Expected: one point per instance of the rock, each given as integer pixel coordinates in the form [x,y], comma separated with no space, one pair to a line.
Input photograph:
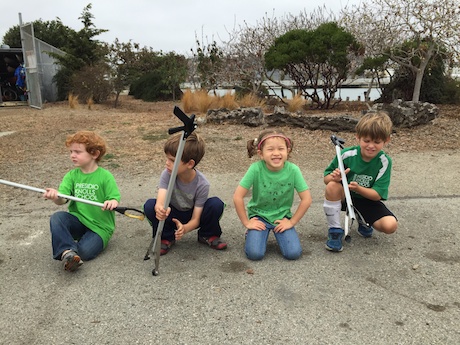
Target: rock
[406,114]
[332,123]
[252,117]
[403,114]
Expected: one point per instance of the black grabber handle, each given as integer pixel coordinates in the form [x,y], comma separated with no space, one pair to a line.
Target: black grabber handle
[189,123]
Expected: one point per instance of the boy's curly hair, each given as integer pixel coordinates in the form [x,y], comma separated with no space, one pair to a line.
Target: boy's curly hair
[258,143]
[92,141]
[376,125]
[194,147]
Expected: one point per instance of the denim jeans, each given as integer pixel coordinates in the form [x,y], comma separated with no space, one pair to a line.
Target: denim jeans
[288,241]
[209,221]
[67,232]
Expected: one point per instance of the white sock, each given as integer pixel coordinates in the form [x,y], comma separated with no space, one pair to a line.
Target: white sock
[332,211]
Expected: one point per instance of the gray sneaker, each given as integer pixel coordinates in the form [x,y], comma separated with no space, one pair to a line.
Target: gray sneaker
[71,261]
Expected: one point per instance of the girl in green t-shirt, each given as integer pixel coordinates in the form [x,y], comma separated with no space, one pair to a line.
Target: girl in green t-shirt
[273,181]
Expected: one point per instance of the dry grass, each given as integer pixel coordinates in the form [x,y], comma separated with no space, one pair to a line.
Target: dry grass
[251,100]
[295,104]
[90,103]
[73,101]
[228,101]
[201,101]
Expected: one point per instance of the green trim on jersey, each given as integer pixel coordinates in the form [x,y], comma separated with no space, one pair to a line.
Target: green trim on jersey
[375,174]
[97,186]
[272,191]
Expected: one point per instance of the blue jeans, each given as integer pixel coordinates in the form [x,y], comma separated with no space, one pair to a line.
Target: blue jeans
[256,242]
[67,232]
[209,221]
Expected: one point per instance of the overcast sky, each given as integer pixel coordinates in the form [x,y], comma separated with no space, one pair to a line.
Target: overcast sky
[167,25]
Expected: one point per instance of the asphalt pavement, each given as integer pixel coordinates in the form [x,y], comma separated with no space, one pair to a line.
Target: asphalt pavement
[389,289]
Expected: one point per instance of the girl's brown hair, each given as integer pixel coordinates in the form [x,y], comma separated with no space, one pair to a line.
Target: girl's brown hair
[93,143]
[258,143]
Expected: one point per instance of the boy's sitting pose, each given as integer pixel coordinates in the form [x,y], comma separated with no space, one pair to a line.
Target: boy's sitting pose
[84,231]
[368,171]
[189,208]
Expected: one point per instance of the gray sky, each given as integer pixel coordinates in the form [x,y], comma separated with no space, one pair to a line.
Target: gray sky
[168,25]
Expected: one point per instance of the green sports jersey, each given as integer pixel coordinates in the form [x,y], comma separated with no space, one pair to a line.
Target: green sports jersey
[97,186]
[272,191]
[374,174]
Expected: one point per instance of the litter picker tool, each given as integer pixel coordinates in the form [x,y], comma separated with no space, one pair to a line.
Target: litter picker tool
[127,211]
[187,129]
[351,211]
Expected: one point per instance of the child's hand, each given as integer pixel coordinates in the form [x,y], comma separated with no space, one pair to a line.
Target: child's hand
[180,229]
[161,213]
[283,224]
[336,176]
[354,186]
[110,204]
[255,224]
[51,194]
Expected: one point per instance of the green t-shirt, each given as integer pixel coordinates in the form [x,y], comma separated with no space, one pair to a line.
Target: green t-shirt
[97,186]
[272,191]
[374,174]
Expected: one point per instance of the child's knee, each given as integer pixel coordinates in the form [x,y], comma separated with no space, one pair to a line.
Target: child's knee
[254,251]
[333,191]
[215,204]
[293,255]
[387,225]
[254,255]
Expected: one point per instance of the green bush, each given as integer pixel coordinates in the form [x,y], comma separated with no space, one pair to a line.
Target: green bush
[151,87]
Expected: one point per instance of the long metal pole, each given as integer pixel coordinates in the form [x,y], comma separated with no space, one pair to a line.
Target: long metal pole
[172,181]
[40,190]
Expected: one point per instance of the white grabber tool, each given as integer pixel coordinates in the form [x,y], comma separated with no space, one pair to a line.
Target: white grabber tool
[351,212]
[127,211]
[187,129]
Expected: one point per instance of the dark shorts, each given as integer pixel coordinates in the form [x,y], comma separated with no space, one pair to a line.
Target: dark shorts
[371,210]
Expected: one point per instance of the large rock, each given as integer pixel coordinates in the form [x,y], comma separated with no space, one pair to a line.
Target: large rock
[281,117]
[407,113]
[252,117]
[403,114]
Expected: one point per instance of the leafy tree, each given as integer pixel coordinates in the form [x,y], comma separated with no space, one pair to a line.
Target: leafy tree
[91,82]
[315,59]
[375,68]
[382,26]
[53,32]
[82,51]
[161,81]
[433,85]
[125,65]
[244,51]
[208,59]
[174,72]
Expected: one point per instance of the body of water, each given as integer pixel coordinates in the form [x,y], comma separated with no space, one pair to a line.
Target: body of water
[348,93]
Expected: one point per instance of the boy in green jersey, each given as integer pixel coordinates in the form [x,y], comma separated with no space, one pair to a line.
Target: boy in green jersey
[84,231]
[368,170]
